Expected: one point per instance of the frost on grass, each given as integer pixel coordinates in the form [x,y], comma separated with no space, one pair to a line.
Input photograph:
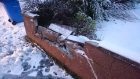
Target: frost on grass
[122,37]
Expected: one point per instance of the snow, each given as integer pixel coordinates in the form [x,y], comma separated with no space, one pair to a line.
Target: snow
[33,74]
[81,52]
[122,37]
[93,42]
[22,4]
[4,15]
[60,30]
[31,14]
[80,39]
[17,56]
[55,69]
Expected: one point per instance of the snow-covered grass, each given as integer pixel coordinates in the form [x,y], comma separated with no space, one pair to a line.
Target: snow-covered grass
[122,37]
[18,57]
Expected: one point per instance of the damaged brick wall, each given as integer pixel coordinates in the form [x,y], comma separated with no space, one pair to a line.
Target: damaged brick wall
[110,66]
[95,63]
[75,63]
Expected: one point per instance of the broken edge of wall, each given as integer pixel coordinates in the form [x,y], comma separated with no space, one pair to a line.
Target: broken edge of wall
[97,63]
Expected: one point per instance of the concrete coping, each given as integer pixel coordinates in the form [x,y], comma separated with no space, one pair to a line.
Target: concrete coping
[93,42]
[30,14]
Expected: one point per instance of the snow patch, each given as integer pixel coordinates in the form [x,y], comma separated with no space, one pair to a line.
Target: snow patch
[80,39]
[122,37]
[60,30]
[17,56]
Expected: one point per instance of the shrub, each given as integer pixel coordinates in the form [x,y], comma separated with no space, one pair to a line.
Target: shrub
[85,24]
[80,14]
[74,13]
[104,9]
[96,9]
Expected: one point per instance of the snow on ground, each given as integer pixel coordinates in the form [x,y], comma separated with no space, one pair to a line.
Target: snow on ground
[122,37]
[18,57]
[3,14]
